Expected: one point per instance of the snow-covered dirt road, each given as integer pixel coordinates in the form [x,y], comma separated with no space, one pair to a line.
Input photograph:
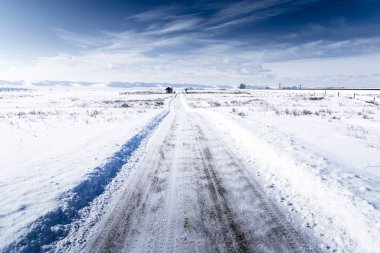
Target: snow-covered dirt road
[191,193]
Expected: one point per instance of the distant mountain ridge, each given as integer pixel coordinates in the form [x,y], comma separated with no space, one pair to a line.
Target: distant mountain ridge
[47,83]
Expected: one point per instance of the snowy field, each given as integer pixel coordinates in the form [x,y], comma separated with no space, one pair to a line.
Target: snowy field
[318,155]
[65,154]
[52,140]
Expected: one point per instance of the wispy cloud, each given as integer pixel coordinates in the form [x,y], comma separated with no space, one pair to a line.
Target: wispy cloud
[246,7]
[322,49]
[82,40]
[174,26]
[163,13]
[242,12]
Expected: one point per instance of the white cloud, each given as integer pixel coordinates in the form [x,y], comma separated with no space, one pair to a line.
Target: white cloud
[354,71]
[204,66]
[163,13]
[213,67]
[320,49]
[247,11]
[81,40]
[174,26]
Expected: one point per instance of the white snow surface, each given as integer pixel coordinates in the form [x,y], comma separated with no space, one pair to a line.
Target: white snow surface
[166,199]
[318,154]
[50,140]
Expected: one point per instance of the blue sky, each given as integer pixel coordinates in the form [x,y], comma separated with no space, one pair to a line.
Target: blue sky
[308,42]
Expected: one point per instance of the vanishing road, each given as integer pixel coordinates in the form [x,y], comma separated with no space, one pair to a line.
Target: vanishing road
[192,194]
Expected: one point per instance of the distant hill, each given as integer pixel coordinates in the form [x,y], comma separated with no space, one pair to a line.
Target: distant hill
[47,83]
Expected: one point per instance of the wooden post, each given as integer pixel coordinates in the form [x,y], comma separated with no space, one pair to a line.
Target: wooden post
[338,94]
[354,95]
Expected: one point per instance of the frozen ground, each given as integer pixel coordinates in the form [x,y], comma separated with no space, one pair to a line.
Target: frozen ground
[120,170]
[52,140]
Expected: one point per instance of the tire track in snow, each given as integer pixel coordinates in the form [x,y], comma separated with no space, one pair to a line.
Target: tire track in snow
[124,220]
[171,231]
[282,235]
[222,207]
[233,237]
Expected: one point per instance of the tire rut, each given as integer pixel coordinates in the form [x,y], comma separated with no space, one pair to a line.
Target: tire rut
[234,238]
